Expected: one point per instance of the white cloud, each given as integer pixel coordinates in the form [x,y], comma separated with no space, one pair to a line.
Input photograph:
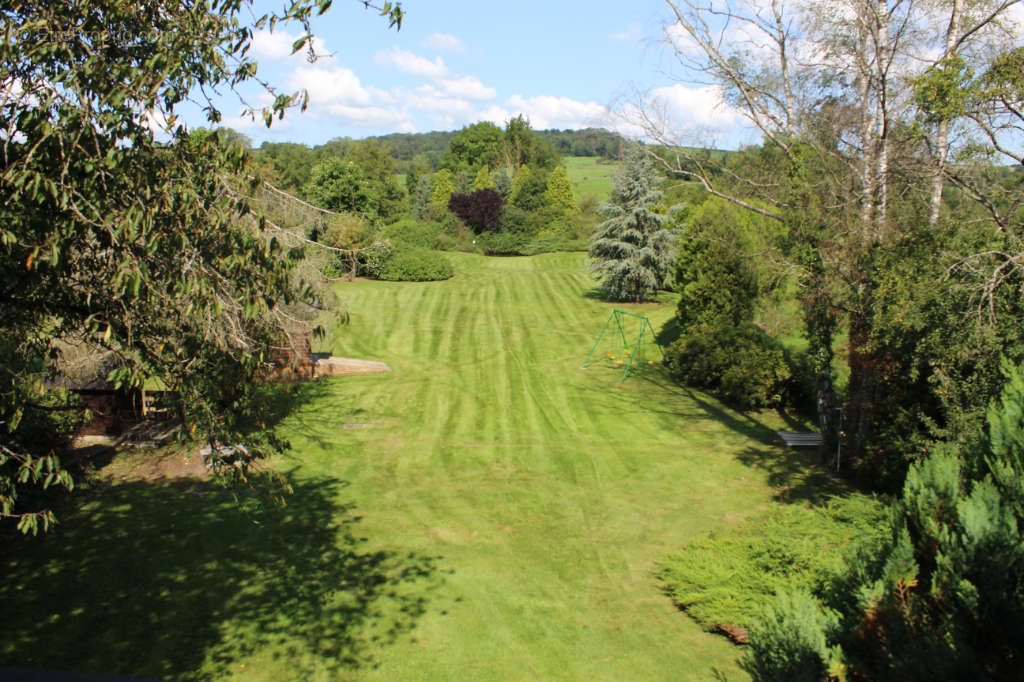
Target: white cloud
[155,120]
[495,114]
[430,98]
[444,42]
[372,117]
[681,41]
[382,96]
[410,63]
[277,46]
[546,111]
[703,106]
[678,114]
[328,86]
[467,87]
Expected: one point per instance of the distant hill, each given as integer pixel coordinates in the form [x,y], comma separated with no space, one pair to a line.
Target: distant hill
[587,142]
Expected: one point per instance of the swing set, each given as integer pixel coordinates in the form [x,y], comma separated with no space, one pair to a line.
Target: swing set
[633,348]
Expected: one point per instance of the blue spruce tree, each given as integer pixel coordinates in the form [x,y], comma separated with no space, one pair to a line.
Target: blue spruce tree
[631,252]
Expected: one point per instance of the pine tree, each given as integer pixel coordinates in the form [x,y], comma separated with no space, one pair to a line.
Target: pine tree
[560,191]
[483,179]
[943,598]
[422,198]
[503,184]
[443,188]
[631,252]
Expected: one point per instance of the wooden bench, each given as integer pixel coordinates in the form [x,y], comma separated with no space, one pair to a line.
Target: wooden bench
[800,440]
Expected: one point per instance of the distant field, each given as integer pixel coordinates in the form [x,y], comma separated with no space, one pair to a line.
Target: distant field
[591,176]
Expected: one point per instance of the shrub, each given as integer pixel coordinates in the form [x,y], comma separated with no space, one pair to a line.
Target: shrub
[738,363]
[549,243]
[503,243]
[716,284]
[725,578]
[481,210]
[414,234]
[414,265]
[789,641]
[514,219]
[449,242]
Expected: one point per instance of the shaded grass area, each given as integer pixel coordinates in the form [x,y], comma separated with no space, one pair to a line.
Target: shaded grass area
[182,580]
[489,510]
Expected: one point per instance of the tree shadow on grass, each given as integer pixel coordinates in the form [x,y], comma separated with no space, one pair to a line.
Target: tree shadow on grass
[797,475]
[184,580]
[669,332]
[290,401]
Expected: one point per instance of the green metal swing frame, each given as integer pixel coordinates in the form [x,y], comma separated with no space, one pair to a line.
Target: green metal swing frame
[645,328]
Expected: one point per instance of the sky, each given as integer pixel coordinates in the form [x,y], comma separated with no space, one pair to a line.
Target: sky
[564,65]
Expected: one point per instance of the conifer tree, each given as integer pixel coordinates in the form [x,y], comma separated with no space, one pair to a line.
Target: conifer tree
[560,191]
[483,179]
[503,184]
[943,598]
[443,188]
[422,198]
[631,252]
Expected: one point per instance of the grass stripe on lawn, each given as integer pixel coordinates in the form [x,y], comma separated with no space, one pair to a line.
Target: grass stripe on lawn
[488,511]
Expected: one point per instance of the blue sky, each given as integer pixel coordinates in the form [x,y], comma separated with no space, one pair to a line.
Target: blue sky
[561,64]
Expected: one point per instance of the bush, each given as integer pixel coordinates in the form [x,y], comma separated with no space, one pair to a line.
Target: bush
[725,578]
[789,641]
[448,242]
[414,234]
[415,265]
[549,243]
[503,243]
[481,210]
[514,219]
[738,363]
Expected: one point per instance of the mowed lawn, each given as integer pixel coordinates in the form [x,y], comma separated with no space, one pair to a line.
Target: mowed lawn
[488,511]
[591,176]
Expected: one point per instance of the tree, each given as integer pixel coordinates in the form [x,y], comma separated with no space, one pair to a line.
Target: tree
[483,179]
[559,191]
[442,188]
[289,164]
[631,252]
[852,156]
[720,348]
[143,252]
[338,185]
[377,170]
[481,210]
[503,184]
[521,147]
[362,181]
[422,198]
[942,597]
[475,145]
[418,167]
[529,190]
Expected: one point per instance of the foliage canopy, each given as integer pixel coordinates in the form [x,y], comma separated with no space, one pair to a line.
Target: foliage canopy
[144,252]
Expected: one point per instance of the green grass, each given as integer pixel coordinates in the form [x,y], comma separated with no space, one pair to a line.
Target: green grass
[488,511]
[591,176]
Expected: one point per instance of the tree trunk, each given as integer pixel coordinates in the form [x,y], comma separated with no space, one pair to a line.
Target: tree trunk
[942,128]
